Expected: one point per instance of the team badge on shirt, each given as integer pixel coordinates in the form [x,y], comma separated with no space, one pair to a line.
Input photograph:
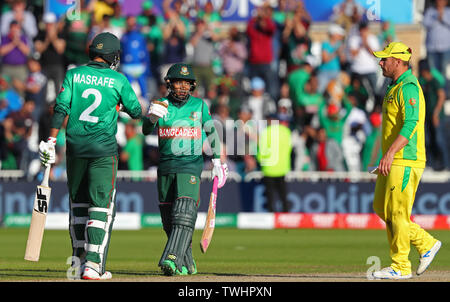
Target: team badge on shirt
[194,116]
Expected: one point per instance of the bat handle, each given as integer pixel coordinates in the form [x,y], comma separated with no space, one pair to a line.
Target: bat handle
[215,184]
[46,176]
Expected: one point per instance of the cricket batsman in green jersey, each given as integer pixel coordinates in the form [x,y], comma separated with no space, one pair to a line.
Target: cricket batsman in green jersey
[402,164]
[182,122]
[90,99]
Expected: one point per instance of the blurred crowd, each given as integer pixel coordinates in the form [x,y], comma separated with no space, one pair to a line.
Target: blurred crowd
[327,94]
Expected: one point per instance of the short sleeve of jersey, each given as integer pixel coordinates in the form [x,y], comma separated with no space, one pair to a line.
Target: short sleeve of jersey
[409,101]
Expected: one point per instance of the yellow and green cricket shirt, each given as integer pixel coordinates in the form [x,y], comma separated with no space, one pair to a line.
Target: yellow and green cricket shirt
[404,114]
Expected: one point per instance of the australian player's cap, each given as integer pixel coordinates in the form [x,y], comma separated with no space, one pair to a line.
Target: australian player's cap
[395,50]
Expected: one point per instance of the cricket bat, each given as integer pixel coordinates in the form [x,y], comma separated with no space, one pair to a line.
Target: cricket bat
[210,223]
[38,217]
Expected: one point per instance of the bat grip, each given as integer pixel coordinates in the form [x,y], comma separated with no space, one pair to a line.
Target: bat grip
[46,176]
[215,184]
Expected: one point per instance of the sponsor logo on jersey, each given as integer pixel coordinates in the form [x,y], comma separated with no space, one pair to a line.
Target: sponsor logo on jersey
[180,132]
[412,102]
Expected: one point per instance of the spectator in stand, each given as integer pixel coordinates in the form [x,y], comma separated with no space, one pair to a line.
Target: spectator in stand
[434,93]
[35,88]
[21,123]
[332,55]
[371,153]
[326,153]
[274,157]
[76,32]
[260,103]
[311,99]
[233,52]
[356,90]
[10,100]
[174,35]
[356,129]
[14,50]
[296,81]
[132,153]
[387,34]
[211,16]
[176,11]
[297,43]
[155,42]
[334,112]
[260,32]
[135,59]
[363,64]
[25,19]
[50,44]
[437,24]
[346,12]
[203,42]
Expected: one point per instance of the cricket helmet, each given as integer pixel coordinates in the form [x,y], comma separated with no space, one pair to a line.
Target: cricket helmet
[180,71]
[106,46]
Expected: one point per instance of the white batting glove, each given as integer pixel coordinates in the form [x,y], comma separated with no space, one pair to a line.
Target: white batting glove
[157,110]
[221,171]
[47,153]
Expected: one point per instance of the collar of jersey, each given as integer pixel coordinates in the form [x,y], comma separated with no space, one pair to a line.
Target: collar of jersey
[403,76]
[177,103]
[98,64]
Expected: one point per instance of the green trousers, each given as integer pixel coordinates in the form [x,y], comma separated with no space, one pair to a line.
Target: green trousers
[179,199]
[92,191]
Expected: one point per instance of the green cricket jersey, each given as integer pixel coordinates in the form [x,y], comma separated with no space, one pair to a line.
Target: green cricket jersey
[181,134]
[91,96]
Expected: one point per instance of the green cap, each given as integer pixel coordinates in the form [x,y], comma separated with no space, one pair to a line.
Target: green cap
[180,71]
[105,43]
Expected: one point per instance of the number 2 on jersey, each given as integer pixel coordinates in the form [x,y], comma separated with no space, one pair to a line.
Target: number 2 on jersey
[86,114]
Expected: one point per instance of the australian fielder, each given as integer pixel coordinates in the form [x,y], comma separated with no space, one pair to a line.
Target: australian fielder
[402,164]
[182,122]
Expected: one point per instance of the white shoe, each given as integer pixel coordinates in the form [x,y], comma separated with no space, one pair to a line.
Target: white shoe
[427,258]
[91,274]
[389,273]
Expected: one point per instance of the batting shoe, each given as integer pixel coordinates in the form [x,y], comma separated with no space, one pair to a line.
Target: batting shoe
[91,274]
[169,268]
[427,258]
[389,273]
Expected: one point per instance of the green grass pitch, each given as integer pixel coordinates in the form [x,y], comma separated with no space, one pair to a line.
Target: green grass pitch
[135,254]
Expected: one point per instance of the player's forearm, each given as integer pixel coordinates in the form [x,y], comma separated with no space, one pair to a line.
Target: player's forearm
[214,140]
[147,126]
[54,132]
[399,143]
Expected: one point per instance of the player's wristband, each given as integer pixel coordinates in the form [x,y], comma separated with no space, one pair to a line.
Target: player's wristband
[51,140]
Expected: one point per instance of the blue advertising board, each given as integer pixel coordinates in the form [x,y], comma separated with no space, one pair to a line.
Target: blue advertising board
[305,197]
[399,11]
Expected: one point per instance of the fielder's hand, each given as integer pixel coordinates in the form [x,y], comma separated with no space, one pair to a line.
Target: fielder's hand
[157,110]
[47,153]
[221,171]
